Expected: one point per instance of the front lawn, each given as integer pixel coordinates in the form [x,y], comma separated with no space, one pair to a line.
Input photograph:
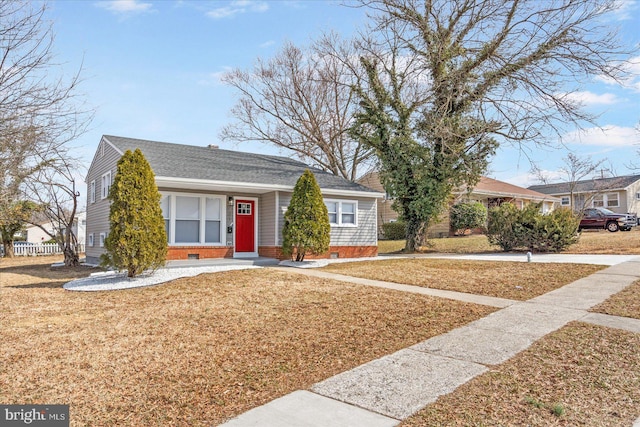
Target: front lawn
[453,245]
[591,242]
[625,303]
[580,375]
[513,280]
[199,350]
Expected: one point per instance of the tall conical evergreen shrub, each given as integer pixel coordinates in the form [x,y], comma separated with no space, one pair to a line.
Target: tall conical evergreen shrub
[306,222]
[137,240]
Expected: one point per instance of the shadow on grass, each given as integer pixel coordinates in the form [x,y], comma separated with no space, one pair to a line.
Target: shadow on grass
[46,285]
[45,271]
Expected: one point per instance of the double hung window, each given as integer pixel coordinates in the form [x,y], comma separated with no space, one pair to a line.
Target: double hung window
[193,219]
[342,212]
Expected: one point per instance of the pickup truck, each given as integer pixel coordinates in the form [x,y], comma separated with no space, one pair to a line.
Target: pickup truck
[601,218]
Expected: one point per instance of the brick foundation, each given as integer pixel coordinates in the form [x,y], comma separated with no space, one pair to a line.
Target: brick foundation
[183,252]
[340,251]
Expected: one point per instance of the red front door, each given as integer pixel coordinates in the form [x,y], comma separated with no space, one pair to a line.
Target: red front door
[245,226]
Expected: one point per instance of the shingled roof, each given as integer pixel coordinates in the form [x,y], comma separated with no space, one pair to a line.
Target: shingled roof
[493,187]
[486,187]
[587,185]
[213,164]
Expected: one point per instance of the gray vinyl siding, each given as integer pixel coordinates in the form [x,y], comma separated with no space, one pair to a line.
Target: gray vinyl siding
[633,204]
[364,234]
[98,212]
[267,219]
[623,200]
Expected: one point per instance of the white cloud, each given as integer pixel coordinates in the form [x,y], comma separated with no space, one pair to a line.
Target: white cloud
[624,9]
[124,6]
[215,78]
[609,136]
[238,7]
[632,80]
[590,98]
[267,43]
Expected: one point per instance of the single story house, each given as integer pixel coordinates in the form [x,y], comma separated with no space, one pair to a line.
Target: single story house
[35,234]
[222,204]
[621,194]
[488,191]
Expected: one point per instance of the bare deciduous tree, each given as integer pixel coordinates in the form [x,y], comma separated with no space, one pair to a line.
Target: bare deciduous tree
[301,100]
[498,71]
[574,170]
[39,113]
[53,189]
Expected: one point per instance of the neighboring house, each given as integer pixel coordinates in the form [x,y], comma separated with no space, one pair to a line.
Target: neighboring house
[490,192]
[35,234]
[222,204]
[620,194]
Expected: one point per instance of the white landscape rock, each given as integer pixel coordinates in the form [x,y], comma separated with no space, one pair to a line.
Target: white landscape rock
[111,280]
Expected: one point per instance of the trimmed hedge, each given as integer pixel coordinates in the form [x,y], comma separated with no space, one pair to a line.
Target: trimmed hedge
[467,215]
[394,230]
[529,229]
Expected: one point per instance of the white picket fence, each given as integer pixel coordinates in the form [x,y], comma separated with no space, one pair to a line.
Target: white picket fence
[33,249]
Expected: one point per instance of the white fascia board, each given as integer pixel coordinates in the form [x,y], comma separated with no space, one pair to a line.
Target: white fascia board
[119,151]
[595,191]
[516,195]
[95,155]
[229,186]
[351,193]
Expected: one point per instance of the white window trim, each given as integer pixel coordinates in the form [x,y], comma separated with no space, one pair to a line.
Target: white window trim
[339,203]
[104,189]
[606,198]
[637,196]
[598,198]
[92,191]
[103,236]
[172,218]
[90,239]
[562,201]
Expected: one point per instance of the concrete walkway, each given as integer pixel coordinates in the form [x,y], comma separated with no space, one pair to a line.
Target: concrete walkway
[385,391]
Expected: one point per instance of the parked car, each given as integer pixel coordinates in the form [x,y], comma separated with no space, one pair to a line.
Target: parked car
[601,218]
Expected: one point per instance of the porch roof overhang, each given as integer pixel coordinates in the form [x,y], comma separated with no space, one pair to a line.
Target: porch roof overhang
[249,187]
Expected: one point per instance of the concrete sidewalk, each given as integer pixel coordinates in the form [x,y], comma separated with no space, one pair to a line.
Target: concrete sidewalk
[385,391]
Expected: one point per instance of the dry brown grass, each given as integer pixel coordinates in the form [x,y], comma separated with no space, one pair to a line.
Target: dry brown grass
[513,280]
[625,303]
[453,245]
[37,272]
[196,351]
[591,242]
[589,373]
[604,242]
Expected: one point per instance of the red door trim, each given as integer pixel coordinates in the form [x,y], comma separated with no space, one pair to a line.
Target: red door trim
[246,227]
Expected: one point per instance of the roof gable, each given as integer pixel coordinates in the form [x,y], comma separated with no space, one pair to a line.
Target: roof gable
[213,164]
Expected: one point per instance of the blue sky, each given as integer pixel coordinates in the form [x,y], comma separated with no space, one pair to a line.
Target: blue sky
[151,69]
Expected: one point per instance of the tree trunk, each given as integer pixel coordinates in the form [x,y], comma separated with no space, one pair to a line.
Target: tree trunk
[415,229]
[71,258]
[8,249]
